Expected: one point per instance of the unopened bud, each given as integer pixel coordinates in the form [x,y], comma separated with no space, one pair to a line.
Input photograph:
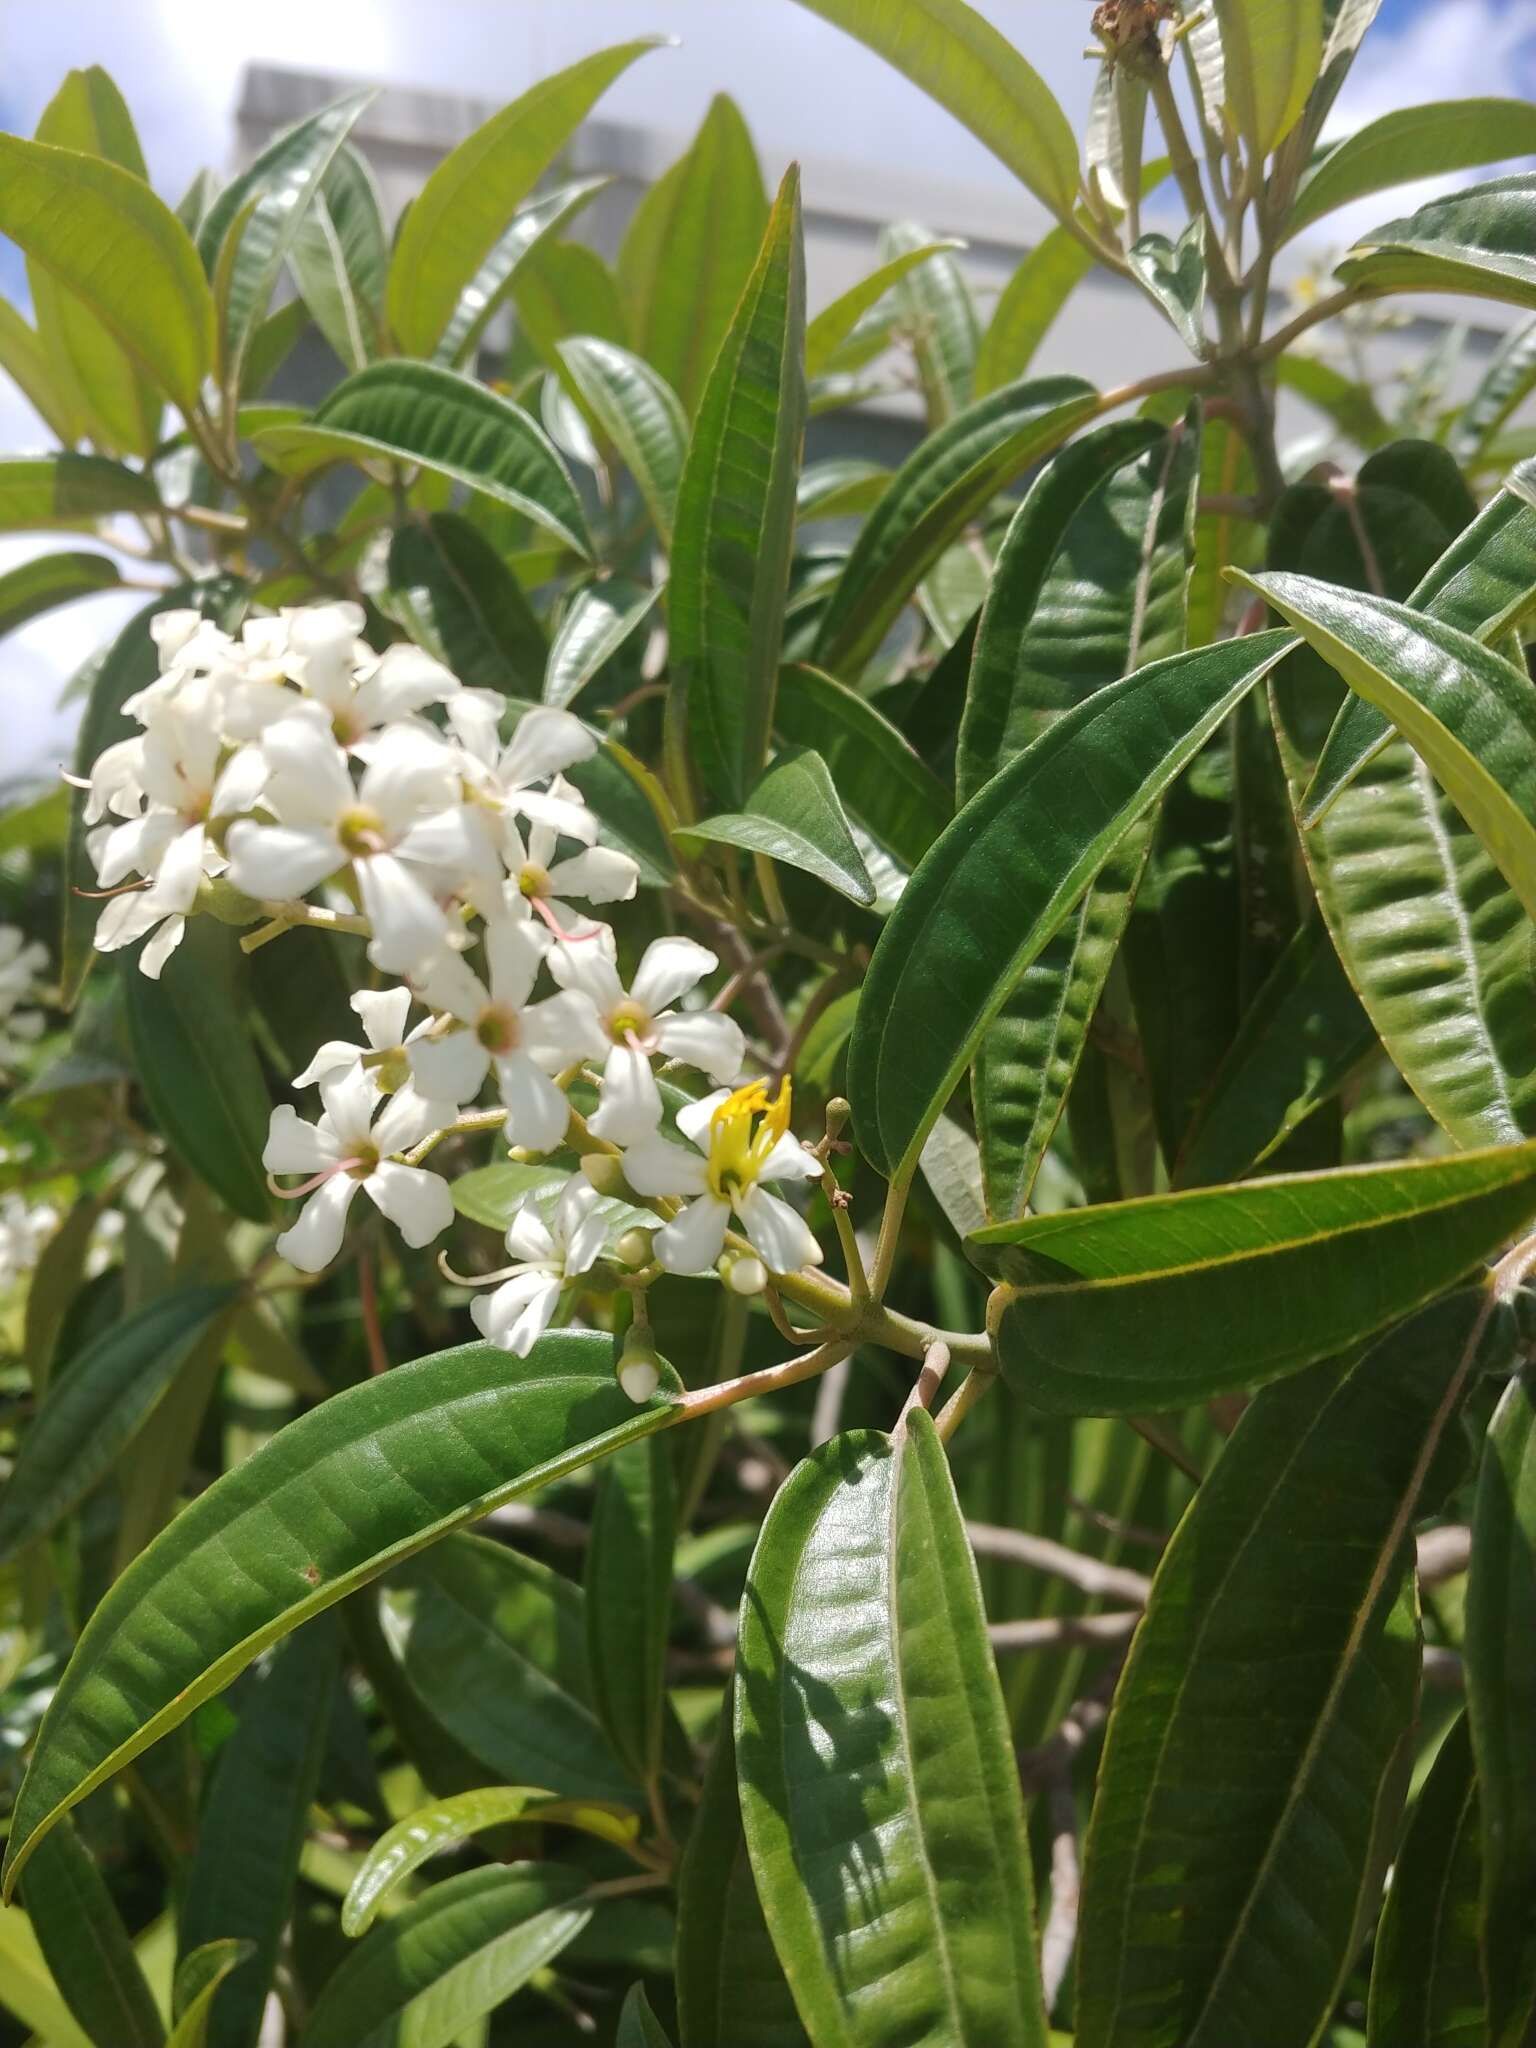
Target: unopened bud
[839,1109]
[639,1368]
[743,1273]
[605,1172]
[633,1248]
[228,904]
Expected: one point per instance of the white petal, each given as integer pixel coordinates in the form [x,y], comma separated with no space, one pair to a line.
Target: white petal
[294,1146]
[336,1052]
[586,1242]
[557,815]
[162,946]
[409,1116]
[668,969]
[694,1239]
[411,776]
[125,919]
[137,847]
[778,1234]
[350,1101]
[529,1239]
[383,1012]
[516,1316]
[694,1119]
[240,782]
[537,1113]
[705,1039]
[589,967]
[656,1167]
[546,740]
[448,982]
[416,1202]
[408,926]
[789,1160]
[475,716]
[513,956]
[404,679]
[451,1069]
[276,862]
[456,844]
[315,1239]
[181,870]
[562,1030]
[308,781]
[629,1106]
[598,875]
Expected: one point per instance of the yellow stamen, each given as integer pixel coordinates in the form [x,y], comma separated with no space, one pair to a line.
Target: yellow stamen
[737,1151]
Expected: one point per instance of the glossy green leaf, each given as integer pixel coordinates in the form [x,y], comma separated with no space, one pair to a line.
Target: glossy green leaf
[455,596]
[1412,143]
[487,290]
[96,1408]
[48,581]
[955,56]
[690,249]
[887,789]
[628,1583]
[1272,52]
[81,1934]
[40,492]
[563,290]
[636,815]
[1152,1304]
[638,2025]
[393,415]
[731,1991]
[1467,711]
[937,490]
[1500,1654]
[104,235]
[1480,242]
[241,1881]
[1275,1847]
[1505,384]
[794,815]
[988,897]
[640,413]
[27,1989]
[411,1842]
[1304,1034]
[937,314]
[1026,308]
[98,384]
[197,1065]
[600,619]
[835,323]
[1426,1982]
[492,1194]
[840,487]
[340,258]
[450,1958]
[1175,274]
[422,1450]
[198,1978]
[465,205]
[26,362]
[879,1795]
[254,224]
[735,522]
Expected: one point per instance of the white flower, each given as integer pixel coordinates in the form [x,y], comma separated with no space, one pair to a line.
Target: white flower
[21,967]
[545,742]
[638,1024]
[348,1149]
[498,1027]
[743,1140]
[539,882]
[323,823]
[545,1256]
[361,690]
[24,1231]
[385,1060]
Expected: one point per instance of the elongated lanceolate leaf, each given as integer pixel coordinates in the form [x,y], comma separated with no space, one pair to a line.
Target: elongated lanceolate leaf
[942,485]
[41,492]
[1481,242]
[989,896]
[1501,1701]
[638,2024]
[48,581]
[82,1936]
[735,522]
[628,1586]
[640,413]
[1272,52]
[938,314]
[198,1978]
[413,1454]
[340,258]
[793,815]
[1504,385]
[600,620]
[396,415]
[885,785]
[835,323]
[1426,1978]
[1412,143]
[1027,306]
[1258,1753]
[456,597]
[487,290]
[879,1795]
[26,362]
[1156,1303]
[456,218]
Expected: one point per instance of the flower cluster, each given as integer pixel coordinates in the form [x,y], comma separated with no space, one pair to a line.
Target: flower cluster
[296,767]
[22,963]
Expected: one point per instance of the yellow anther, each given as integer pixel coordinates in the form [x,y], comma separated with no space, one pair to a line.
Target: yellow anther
[737,1152]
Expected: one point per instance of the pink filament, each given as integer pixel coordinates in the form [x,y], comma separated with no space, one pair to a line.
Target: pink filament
[307,1187]
[570,938]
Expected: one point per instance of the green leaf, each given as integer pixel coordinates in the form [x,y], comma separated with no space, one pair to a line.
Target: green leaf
[26,362]
[104,235]
[690,248]
[882,781]
[27,1988]
[1352,407]
[835,323]
[938,316]
[40,492]
[240,1884]
[944,484]
[411,1842]
[82,1936]
[197,1064]
[731,1991]
[1272,52]
[640,413]
[735,522]
[492,1194]
[98,384]
[636,816]
[879,1794]
[794,815]
[455,596]
[1174,273]
[461,212]
[600,620]
[1304,1034]
[1267,1707]
[840,487]
[95,1409]
[1504,385]
[1426,1982]
[397,414]
[1480,242]
[340,258]
[1500,1654]
[955,56]
[1027,306]
[419,1451]
[1152,1304]
[271,344]
[1412,143]
[628,1583]
[638,2025]
[1466,710]
[427,1975]
[497,275]
[198,1977]
[48,581]
[988,897]
[563,289]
